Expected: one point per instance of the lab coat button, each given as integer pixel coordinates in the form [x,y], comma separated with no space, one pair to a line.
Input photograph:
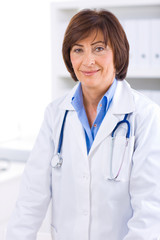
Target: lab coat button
[85,177]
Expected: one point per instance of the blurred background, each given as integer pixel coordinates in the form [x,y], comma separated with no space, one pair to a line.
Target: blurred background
[32,74]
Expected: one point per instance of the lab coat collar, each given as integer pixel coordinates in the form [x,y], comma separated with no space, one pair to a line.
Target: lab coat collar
[66,103]
[122,103]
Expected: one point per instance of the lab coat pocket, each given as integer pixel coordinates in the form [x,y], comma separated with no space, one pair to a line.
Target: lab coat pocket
[120,159]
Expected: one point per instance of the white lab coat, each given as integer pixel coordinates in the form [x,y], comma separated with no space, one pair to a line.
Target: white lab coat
[85,204]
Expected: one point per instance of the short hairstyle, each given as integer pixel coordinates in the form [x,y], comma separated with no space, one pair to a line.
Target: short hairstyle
[84,23]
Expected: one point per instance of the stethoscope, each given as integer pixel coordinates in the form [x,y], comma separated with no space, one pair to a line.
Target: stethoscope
[112,176]
[58,160]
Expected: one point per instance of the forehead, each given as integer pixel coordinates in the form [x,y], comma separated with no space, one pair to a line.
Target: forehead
[94,36]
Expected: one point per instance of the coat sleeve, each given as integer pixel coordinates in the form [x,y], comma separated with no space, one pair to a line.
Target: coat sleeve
[145,177]
[35,189]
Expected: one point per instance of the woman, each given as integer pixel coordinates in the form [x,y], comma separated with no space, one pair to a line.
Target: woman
[103,178]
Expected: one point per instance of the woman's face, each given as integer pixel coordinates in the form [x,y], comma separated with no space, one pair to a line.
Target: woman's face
[92,62]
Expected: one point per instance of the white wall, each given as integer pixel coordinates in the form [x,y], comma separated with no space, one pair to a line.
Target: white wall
[25,65]
[25,79]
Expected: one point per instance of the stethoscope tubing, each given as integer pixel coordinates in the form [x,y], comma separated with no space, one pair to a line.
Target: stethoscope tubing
[121,122]
[61,133]
[59,162]
[112,177]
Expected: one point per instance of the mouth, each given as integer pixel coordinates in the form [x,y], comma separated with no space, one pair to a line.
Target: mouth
[90,73]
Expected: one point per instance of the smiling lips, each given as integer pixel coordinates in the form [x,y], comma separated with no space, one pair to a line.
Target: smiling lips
[90,73]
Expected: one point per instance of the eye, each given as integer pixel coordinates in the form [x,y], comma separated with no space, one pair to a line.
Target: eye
[99,49]
[77,50]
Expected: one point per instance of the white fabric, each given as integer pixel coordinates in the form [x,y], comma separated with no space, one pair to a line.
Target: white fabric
[85,204]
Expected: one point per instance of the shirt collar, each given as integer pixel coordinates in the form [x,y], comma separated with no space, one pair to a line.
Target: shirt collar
[77,99]
[108,96]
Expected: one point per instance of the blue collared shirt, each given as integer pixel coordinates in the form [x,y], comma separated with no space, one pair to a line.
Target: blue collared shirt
[102,108]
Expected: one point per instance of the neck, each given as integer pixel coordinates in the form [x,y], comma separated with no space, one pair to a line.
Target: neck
[90,102]
[91,97]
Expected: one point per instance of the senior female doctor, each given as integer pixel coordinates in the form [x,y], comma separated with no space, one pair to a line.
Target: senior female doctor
[97,156]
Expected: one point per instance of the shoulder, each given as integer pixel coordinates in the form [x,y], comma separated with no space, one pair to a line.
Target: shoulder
[147,113]
[143,110]
[64,102]
[55,110]
[54,105]
[141,102]
[144,104]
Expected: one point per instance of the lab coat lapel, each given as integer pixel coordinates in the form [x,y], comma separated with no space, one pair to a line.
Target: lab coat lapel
[78,132]
[73,122]
[122,103]
[107,126]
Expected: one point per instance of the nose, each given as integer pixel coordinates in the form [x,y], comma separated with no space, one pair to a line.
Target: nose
[88,59]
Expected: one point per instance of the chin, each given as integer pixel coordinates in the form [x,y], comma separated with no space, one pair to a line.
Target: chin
[90,84]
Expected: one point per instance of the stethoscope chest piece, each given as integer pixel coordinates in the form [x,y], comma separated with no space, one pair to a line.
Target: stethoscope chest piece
[57,161]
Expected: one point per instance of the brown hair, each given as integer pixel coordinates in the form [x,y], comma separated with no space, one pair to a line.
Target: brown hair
[85,22]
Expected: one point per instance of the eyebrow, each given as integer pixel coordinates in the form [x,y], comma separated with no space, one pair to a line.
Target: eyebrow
[98,42]
[76,44]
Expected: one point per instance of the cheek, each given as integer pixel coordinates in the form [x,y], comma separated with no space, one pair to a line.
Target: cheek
[75,63]
[72,60]
[108,63]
